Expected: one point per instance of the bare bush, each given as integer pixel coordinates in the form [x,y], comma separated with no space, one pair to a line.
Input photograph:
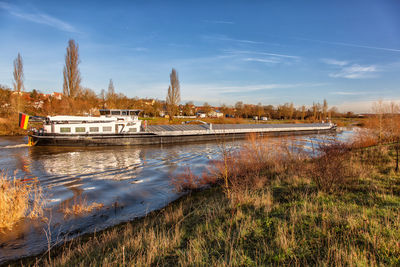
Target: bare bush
[187,180]
[255,165]
[331,169]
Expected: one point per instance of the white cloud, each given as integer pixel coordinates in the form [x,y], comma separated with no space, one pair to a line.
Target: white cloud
[262,57]
[347,93]
[356,71]
[262,60]
[37,17]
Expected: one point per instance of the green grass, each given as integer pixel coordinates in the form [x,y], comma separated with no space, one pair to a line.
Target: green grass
[284,222]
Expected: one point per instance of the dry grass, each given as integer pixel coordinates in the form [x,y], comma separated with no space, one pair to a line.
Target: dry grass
[18,199]
[79,206]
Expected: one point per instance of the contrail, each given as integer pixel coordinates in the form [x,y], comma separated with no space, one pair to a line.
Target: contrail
[350,45]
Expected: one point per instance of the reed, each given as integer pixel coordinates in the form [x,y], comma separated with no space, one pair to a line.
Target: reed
[18,200]
[79,206]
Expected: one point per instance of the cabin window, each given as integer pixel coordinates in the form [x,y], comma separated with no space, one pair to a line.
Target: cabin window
[107,129]
[133,113]
[104,112]
[80,129]
[115,112]
[124,113]
[94,129]
[132,130]
[65,129]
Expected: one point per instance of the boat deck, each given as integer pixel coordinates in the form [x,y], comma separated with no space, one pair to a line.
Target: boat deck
[200,129]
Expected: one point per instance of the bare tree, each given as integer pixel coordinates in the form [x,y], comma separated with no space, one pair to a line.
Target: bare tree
[303,112]
[111,89]
[325,110]
[260,110]
[72,76]
[111,96]
[174,94]
[207,108]
[18,79]
[291,111]
[103,98]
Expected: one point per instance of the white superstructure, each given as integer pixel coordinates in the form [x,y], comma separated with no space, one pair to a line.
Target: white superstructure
[111,121]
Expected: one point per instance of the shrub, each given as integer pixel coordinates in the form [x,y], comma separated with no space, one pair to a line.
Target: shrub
[331,169]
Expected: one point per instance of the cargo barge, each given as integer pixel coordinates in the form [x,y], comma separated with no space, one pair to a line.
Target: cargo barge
[123,127]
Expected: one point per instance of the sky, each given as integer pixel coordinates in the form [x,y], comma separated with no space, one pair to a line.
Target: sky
[268,52]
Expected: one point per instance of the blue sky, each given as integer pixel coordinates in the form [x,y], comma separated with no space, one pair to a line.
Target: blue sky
[224,51]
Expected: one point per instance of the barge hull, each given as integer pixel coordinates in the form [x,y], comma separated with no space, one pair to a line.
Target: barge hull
[154,139]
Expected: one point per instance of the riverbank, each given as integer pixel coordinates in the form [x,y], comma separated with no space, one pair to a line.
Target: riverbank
[280,214]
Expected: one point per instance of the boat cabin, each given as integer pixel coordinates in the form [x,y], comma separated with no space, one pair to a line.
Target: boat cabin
[111,121]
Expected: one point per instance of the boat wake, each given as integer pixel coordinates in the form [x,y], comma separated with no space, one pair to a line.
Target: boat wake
[15,146]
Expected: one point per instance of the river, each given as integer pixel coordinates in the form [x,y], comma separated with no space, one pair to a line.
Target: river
[128,181]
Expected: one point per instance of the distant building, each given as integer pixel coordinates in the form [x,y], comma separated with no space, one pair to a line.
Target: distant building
[57,95]
[215,114]
[201,114]
[148,102]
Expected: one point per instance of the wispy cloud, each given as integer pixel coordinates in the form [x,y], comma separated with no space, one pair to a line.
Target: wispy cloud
[38,17]
[219,21]
[246,89]
[334,62]
[262,60]
[356,71]
[349,44]
[262,57]
[237,52]
[351,71]
[229,39]
[347,93]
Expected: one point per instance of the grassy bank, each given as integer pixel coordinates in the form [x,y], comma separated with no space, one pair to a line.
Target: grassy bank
[259,213]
